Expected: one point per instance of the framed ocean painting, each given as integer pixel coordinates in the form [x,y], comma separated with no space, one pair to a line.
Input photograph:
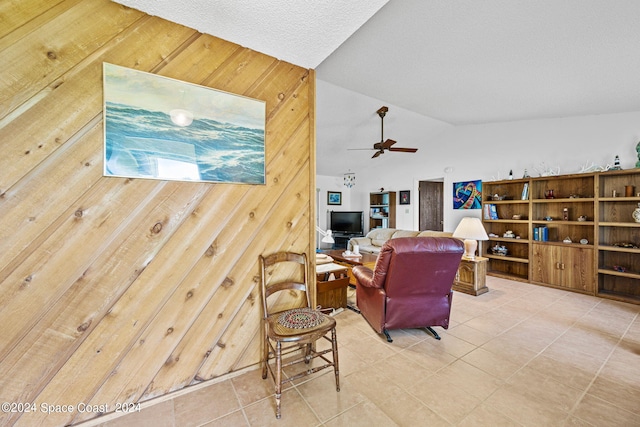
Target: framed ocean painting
[159,128]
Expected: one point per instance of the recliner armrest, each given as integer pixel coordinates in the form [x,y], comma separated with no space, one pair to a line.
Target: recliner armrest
[364,276]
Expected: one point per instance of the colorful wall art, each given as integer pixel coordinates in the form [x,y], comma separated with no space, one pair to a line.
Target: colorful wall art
[467,195]
[161,128]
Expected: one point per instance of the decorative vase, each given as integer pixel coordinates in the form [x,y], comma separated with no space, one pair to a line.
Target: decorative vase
[636,214]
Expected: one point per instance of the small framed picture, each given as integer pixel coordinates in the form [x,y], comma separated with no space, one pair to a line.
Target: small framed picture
[334,197]
[405,197]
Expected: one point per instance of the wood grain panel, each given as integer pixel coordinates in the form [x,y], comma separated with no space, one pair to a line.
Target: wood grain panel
[117,289]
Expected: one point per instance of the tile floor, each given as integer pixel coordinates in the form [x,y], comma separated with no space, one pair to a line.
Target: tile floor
[519,355]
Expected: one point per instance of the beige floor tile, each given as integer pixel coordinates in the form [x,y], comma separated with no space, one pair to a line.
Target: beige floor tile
[206,404]
[321,395]
[250,387]
[429,356]
[508,348]
[515,404]
[623,366]
[494,364]
[484,415]
[470,335]
[295,412]
[452,345]
[552,393]
[422,416]
[398,370]
[160,415]
[512,315]
[371,349]
[617,394]
[600,413]
[492,323]
[470,379]
[445,398]
[566,373]
[234,419]
[349,362]
[391,398]
[365,414]
[593,341]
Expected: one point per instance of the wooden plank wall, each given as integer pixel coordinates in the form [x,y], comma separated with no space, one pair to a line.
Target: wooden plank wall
[120,290]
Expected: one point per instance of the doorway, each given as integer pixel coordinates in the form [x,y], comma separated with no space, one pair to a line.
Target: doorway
[430,204]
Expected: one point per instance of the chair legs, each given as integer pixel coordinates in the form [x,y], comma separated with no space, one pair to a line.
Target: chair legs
[428,328]
[265,356]
[334,348]
[435,334]
[278,377]
[308,355]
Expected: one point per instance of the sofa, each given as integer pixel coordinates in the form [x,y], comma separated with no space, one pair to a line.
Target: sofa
[373,241]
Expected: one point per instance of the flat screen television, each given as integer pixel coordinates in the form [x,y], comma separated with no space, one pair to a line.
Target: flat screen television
[345,222]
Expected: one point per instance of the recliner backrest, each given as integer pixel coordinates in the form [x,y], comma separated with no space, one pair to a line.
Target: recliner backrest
[415,266]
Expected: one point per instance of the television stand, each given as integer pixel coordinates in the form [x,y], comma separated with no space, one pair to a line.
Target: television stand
[341,239]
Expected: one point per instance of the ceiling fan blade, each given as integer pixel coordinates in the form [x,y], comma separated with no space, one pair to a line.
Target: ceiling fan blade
[388,143]
[404,150]
[352,149]
[377,154]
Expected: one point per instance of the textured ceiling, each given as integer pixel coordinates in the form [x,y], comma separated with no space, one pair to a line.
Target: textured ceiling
[496,60]
[301,32]
[459,61]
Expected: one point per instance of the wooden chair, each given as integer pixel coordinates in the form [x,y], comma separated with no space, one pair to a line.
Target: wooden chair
[293,331]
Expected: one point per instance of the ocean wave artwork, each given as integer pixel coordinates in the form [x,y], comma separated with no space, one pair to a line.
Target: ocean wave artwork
[161,128]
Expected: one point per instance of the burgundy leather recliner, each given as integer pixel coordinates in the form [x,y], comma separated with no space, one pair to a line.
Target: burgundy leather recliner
[410,286]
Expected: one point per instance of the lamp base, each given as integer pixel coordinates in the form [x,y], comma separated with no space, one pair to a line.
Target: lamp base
[470,247]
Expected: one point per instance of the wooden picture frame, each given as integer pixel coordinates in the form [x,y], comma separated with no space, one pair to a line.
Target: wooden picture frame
[405,197]
[156,127]
[334,198]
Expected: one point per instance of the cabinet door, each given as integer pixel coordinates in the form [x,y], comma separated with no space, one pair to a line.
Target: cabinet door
[568,267]
[546,265]
[578,270]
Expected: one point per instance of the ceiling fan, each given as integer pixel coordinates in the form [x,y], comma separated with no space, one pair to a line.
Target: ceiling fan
[383,145]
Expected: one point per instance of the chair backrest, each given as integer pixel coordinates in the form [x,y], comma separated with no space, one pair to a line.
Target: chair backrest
[283,271]
[418,266]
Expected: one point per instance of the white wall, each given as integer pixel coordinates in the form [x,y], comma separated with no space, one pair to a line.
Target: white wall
[486,152]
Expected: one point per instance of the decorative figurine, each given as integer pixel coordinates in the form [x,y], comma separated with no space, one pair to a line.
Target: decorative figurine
[616,164]
[636,214]
[526,174]
[638,151]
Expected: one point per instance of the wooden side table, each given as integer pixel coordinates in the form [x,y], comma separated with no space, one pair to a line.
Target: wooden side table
[331,285]
[471,277]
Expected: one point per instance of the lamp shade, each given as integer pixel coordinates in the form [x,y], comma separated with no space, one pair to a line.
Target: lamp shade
[471,230]
[327,235]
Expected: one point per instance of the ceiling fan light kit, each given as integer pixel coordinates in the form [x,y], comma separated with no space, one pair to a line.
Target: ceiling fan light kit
[386,145]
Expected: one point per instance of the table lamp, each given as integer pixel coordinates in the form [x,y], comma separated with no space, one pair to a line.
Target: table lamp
[471,230]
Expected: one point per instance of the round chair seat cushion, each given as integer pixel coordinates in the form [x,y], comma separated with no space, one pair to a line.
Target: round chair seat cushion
[300,318]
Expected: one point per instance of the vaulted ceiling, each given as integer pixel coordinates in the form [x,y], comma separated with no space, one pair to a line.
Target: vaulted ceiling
[459,61]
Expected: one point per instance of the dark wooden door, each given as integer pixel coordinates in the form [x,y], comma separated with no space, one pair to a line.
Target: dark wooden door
[430,204]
